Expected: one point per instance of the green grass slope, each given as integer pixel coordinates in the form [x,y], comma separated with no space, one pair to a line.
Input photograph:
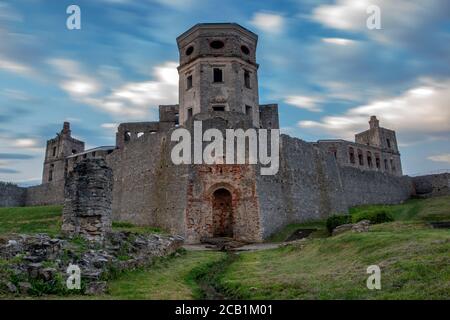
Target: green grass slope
[414,261]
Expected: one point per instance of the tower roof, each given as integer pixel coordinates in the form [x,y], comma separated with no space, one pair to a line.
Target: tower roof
[222,25]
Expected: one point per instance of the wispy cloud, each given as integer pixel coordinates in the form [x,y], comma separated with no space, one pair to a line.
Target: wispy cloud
[131,99]
[440,158]
[15,156]
[16,67]
[338,41]
[422,110]
[305,102]
[268,22]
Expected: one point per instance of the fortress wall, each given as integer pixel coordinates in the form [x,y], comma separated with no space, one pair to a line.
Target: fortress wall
[11,195]
[370,187]
[432,185]
[147,188]
[307,187]
[45,194]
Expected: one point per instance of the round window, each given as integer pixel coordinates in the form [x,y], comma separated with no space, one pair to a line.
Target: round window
[217,44]
[189,50]
[245,49]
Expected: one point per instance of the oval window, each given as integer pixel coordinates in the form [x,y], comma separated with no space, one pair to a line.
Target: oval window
[245,50]
[189,50]
[217,44]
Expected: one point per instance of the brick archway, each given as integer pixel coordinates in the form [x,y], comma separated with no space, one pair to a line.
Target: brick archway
[222,209]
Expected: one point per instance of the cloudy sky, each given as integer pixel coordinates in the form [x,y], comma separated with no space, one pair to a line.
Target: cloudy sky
[327,71]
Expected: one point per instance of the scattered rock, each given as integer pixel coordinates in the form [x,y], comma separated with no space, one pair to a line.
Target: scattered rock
[96,288]
[342,228]
[11,287]
[361,226]
[300,234]
[24,287]
[121,251]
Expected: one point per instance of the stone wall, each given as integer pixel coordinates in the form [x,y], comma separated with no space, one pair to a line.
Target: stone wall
[11,195]
[148,189]
[307,187]
[88,200]
[369,187]
[311,185]
[432,185]
[45,194]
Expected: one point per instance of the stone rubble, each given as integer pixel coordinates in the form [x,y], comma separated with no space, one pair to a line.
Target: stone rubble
[39,257]
[361,226]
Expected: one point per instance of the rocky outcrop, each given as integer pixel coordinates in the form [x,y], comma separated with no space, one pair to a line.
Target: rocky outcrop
[37,264]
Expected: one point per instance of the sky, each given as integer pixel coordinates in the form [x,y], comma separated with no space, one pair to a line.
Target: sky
[318,60]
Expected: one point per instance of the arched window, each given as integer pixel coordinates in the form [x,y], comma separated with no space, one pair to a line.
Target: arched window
[377,160]
[369,159]
[360,157]
[351,155]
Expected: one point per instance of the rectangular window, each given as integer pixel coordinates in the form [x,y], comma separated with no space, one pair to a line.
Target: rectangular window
[248,110]
[388,143]
[218,108]
[189,82]
[218,75]
[54,151]
[386,165]
[189,113]
[50,175]
[247,79]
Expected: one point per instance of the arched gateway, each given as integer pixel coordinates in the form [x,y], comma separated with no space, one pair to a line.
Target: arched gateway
[222,213]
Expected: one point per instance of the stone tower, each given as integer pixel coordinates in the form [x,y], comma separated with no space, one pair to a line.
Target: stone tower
[57,150]
[218,71]
[386,140]
[378,137]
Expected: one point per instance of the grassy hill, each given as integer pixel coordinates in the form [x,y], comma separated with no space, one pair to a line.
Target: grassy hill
[414,260]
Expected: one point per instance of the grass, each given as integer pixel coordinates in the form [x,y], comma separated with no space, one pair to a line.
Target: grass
[168,279]
[47,219]
[31,220]
[432,209]
[414,261]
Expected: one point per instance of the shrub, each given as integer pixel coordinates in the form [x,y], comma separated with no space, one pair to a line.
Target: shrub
[337,220]
[376,216]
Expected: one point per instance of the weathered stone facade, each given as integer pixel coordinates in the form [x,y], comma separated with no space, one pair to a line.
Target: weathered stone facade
[88,200]
[219,87]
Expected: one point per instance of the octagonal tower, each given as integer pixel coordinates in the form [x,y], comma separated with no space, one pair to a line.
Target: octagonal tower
[218,71]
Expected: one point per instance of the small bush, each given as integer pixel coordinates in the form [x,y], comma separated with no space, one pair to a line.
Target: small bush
[377,216]
[337,220]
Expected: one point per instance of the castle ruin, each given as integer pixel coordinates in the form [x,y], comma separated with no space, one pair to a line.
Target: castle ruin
[218,85]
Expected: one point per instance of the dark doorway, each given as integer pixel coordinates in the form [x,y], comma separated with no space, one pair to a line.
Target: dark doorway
[222,213]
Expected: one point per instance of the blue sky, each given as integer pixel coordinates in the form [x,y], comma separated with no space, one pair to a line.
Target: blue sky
[327,71]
